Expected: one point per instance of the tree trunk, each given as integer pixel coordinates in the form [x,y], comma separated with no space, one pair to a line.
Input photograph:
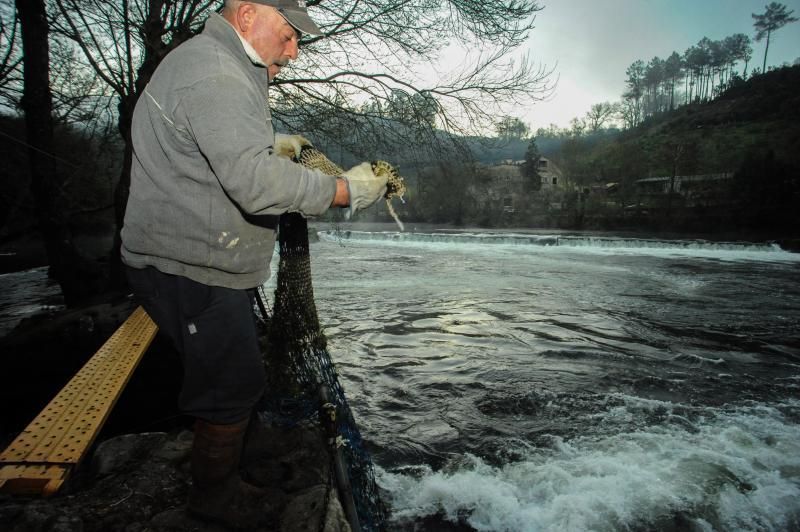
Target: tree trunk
[672,95]
[764,66]
[77,279]
[117,272]
[688,88]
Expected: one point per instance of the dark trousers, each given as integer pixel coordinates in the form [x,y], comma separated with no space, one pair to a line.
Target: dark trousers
[214,330]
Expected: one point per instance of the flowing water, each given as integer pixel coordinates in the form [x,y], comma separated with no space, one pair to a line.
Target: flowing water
[523,383]
[25,293]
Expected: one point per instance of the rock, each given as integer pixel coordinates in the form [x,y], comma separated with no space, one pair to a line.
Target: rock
[139,482]
[66,523]
[177,450]
[317,508]
[35,517]
[116,453]
[180,519]
[9,509]
[297,460]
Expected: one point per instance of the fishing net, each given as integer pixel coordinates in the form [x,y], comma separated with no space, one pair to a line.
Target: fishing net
[303,381]
[395,185]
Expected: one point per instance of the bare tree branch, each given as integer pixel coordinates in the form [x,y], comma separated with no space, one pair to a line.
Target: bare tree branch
[10,58]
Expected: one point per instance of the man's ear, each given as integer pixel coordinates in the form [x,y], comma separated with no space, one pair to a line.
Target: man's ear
[245,15]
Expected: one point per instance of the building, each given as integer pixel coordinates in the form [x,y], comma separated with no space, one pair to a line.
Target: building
[695,190]
[552,177]
[508,187]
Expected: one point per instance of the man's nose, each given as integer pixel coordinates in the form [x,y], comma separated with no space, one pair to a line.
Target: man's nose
[292,49]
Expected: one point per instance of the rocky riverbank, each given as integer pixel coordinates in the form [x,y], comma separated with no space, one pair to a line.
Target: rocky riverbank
[136,477]
[139,482]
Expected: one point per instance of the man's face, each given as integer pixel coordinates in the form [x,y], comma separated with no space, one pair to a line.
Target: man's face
[273,38]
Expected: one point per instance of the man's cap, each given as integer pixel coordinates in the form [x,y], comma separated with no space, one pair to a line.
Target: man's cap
[295,13]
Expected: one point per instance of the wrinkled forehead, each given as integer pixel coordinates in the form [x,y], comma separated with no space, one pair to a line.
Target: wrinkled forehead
[275,16]
[285,22]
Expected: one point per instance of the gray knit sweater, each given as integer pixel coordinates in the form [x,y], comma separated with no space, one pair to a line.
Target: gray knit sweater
[206,188]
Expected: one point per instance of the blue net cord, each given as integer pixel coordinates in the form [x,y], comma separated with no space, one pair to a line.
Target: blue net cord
[298,365]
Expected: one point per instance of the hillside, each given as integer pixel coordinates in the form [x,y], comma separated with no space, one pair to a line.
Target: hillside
[750,119]
[749,135]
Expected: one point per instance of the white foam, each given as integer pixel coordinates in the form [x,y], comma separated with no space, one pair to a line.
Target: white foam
[717,251]
[739,470]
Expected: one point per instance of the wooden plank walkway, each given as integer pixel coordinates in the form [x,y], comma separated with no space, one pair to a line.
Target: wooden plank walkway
[54,443]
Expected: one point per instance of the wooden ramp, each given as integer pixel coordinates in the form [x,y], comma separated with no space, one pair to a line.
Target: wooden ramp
[52,446]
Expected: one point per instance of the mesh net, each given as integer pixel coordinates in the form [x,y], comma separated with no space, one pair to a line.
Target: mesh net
[301,373]
[395,185]
[313,158]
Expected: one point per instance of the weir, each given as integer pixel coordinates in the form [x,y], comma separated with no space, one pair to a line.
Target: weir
[551,240]
[43,456]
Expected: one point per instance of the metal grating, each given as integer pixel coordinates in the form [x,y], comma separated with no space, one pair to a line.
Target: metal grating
[53,444]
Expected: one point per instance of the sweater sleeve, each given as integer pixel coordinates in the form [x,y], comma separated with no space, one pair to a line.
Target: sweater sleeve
[230,124]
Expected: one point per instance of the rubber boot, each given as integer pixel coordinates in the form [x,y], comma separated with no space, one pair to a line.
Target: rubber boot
[218,493]
[257,440]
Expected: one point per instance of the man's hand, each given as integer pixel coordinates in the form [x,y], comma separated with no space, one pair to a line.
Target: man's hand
[289,146]
[363,186]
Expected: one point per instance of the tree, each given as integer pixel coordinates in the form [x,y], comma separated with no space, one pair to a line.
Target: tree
[362,56]
[552,131]
[365,53]
[123,41]
[740,49]
[511,128]
[705,59]
[416,110]
[66,266]
[707,68]
[78,95]
[446,193]
[719,60]
[599,114]
[530,168]
[692,60]
[774,17]
[10,58]
[673,71]
[629,111]
[653,79]
[635,83]
[576,127]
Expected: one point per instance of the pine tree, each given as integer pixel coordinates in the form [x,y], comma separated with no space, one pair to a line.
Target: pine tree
[530,168]
[774,18]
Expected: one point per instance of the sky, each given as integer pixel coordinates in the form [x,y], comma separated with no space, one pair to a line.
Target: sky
[591,43]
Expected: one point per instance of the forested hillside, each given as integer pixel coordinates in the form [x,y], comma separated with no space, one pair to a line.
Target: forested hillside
[752,130]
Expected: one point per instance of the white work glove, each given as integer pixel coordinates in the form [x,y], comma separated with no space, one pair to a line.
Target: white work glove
[364,187]
[289,146]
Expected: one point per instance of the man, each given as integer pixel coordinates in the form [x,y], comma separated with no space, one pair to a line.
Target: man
[207,187]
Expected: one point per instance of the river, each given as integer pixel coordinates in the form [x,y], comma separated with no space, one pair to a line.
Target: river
[523,382]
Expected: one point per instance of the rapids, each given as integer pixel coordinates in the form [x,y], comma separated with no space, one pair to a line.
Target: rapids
[529,382]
